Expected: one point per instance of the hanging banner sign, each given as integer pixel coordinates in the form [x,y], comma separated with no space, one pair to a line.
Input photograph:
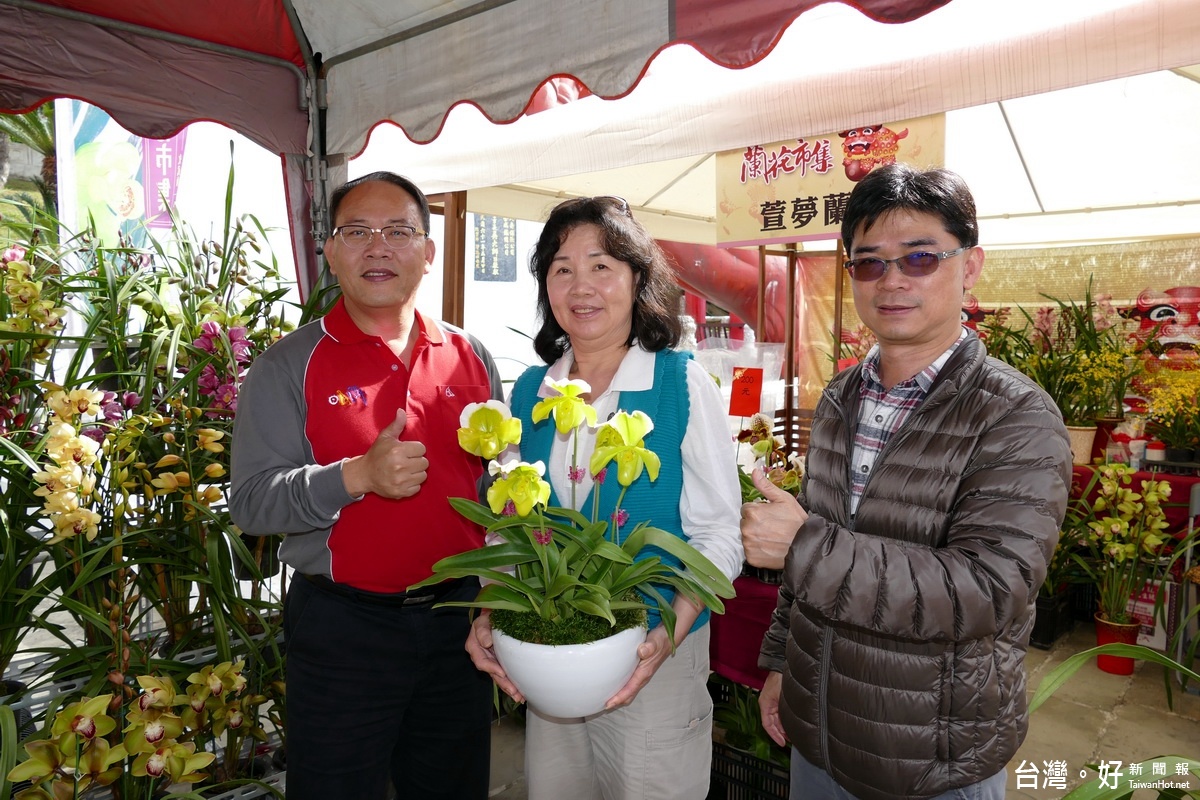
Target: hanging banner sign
[796,190]
[120,183]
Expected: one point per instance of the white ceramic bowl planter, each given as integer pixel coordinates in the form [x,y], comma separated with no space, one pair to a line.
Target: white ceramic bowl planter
[570,680]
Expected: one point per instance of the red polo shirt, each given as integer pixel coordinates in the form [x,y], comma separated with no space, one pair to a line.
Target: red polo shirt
[353,385]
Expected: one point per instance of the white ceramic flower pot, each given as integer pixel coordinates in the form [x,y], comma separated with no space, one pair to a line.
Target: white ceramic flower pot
[570,680]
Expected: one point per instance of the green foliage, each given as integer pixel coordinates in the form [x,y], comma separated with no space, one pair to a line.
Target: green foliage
[1117,536]
[581,628]
[35,130]
[555,563]
[1082,354]
[119,370]
[576,570]
[737,714]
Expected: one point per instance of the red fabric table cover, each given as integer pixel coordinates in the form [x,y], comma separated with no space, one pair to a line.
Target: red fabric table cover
[738,633]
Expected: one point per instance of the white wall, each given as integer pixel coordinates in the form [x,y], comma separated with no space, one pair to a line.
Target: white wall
[494,308]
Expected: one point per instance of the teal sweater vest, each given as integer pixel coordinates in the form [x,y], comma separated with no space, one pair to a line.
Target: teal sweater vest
[667,404]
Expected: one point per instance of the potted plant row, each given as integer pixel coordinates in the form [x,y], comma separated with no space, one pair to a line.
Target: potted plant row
[1080,353]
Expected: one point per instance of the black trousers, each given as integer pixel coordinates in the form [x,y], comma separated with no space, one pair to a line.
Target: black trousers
[378,691]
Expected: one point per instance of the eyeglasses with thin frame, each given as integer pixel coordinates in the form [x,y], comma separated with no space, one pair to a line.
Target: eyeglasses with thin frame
[914,265]
[397,237]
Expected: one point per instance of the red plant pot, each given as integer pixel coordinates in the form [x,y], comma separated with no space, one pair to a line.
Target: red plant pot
[1121,633]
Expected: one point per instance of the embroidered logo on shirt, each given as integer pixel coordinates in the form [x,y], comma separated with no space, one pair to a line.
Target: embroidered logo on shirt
[449,392]
[351,396]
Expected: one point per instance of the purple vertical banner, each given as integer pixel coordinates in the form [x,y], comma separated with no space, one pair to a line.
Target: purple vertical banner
[161,162]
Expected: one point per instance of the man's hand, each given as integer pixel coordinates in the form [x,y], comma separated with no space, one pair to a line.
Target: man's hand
[479,647]
[391,468]
[768,707]
[768,528]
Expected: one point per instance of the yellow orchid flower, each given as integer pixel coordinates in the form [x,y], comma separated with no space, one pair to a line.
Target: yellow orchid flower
[622,438]
[177,761]
[58,478]
[73,449]
[80,522]
[85,719]
[220,678]
[157,692]
[86,401]
[208,439]
[149,730]
[99,764]
[487,429]
[569,408]
[519,483]
[63,501]
[208,495]
[45,759]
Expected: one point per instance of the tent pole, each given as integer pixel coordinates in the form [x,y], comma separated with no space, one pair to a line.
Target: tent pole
[760,312]
[789,348]
[838,296]
[454,257]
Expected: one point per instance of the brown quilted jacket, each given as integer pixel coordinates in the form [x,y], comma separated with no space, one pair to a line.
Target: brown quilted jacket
[902,634]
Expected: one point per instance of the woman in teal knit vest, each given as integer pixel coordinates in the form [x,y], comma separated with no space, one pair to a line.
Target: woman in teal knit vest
[607,302]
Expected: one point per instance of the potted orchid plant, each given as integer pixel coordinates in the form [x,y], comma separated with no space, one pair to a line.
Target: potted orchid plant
[552,576]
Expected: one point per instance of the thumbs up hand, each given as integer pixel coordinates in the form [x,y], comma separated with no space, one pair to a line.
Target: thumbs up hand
[391,467]
[770,525]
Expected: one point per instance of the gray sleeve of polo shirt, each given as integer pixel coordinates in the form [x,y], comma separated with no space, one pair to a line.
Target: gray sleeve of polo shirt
[275,485]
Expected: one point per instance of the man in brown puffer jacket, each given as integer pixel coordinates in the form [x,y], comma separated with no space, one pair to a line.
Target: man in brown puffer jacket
[935,485]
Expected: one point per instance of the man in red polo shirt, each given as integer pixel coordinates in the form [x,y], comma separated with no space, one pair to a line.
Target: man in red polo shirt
[346,441]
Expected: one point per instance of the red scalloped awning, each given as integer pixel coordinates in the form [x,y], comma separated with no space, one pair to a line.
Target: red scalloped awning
[435,54]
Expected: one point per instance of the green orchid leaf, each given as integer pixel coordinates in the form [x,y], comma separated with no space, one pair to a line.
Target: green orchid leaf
[484,558]
[610,552]
[594,601]
[495,595]
[572,516]
[497,576]
[480,514]
[560,584]
[697,564]
[1059,675]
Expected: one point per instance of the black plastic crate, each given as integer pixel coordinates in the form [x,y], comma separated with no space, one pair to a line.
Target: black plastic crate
[1055,618]
[1083,601]
[738,775]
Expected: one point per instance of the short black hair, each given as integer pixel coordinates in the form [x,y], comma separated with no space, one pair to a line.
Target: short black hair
[656,323]
[339,194]
[900,186]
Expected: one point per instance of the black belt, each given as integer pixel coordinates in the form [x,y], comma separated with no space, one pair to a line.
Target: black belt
[420,597]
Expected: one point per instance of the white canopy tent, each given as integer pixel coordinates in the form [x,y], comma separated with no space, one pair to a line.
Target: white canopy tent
[1101,162]
[309,79]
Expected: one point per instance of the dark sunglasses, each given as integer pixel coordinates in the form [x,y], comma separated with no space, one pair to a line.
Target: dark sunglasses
[914,265]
